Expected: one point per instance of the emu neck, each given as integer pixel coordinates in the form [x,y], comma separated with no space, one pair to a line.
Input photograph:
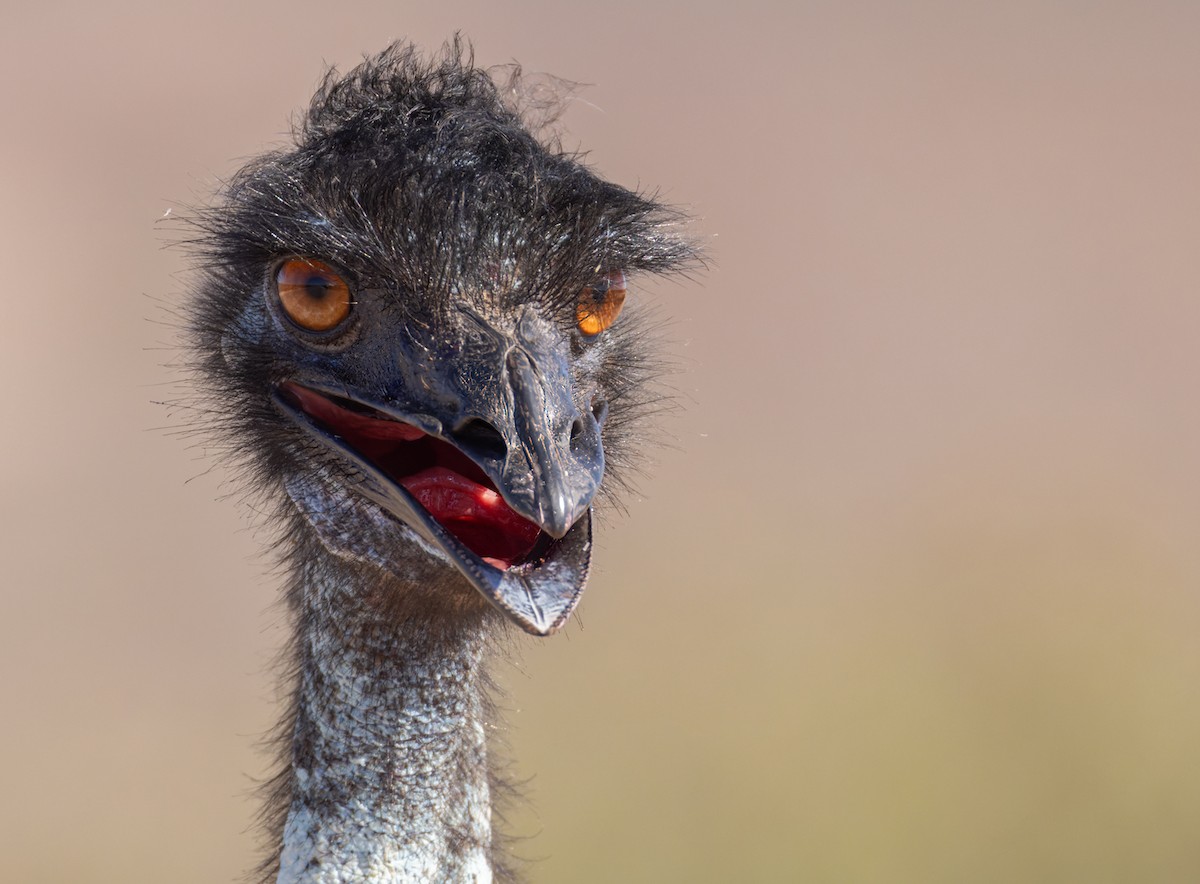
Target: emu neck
[389,777]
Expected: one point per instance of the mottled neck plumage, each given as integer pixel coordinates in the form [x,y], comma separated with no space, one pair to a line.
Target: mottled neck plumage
[389,777]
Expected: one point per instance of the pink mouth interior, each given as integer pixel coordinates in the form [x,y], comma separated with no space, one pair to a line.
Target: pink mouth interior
[441,478]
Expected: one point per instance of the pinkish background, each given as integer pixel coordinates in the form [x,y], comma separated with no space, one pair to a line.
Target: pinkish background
[915,596]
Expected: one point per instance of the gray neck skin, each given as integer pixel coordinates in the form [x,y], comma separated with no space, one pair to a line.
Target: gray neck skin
[389,777]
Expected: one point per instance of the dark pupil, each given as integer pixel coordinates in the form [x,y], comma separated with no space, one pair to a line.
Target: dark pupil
[316,287]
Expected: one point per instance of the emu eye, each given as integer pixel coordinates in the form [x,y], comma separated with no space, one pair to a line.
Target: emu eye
[598,305]
[312,294]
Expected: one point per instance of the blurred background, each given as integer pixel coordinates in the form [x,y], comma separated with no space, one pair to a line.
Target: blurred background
[913,597]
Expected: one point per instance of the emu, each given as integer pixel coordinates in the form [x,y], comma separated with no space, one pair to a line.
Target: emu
[408,327]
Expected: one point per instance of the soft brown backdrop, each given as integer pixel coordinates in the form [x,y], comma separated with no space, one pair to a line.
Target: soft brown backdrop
[913,599]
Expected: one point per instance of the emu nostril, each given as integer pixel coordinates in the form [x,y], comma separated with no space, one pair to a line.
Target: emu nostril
[576,428]
[481,439]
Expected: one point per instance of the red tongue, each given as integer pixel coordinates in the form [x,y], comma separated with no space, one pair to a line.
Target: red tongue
[476,515]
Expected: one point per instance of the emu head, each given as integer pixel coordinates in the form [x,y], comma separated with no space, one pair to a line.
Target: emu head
[413,321]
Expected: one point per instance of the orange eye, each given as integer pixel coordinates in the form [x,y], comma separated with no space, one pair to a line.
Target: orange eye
[312,294]
[599,305]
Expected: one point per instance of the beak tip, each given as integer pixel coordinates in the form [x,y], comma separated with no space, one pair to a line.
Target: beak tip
[558,515]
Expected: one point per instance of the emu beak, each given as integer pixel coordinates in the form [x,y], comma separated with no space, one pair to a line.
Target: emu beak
[556,459]
[506,493]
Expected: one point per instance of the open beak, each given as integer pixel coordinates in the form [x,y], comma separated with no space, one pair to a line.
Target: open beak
[506,493]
